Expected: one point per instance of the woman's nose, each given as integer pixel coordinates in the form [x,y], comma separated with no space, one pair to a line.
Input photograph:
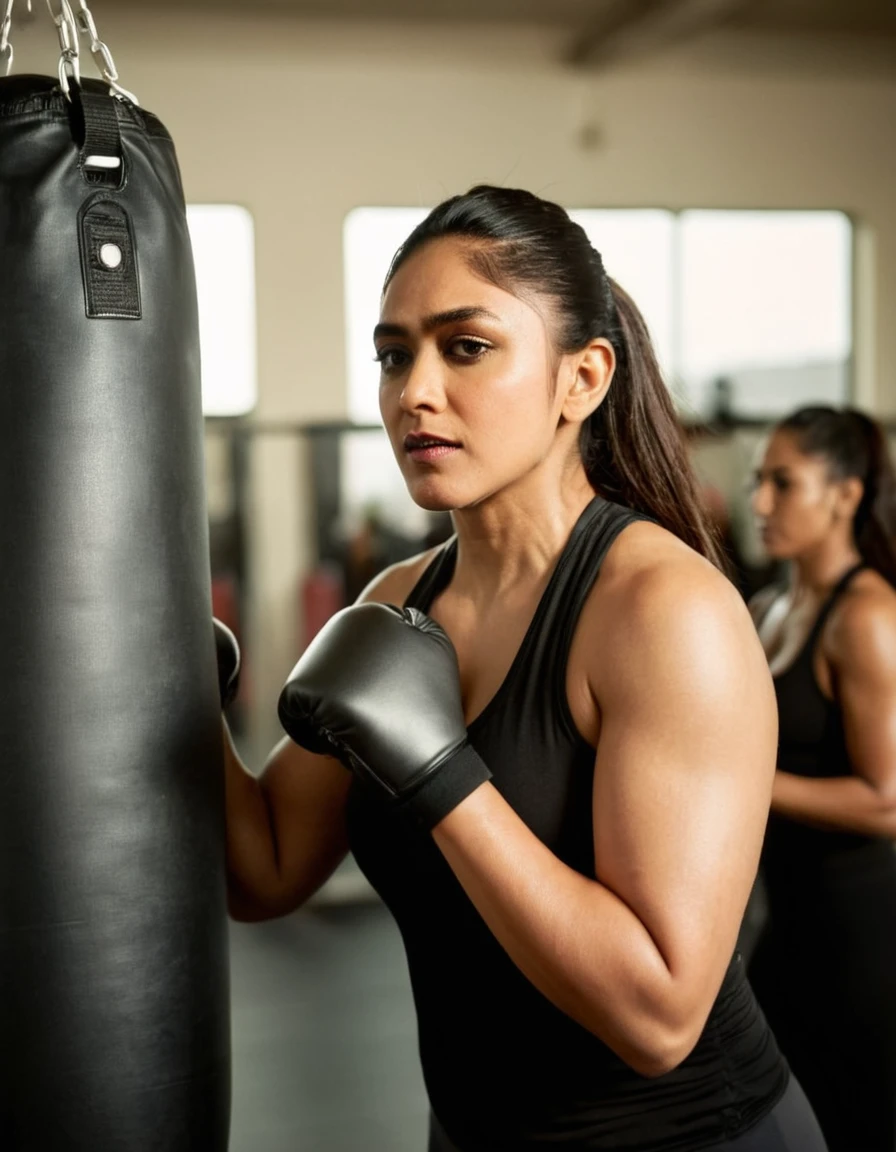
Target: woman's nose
[424,388]
[762,499]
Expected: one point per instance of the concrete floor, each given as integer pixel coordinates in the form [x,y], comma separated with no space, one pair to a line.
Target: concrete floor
[324,1035]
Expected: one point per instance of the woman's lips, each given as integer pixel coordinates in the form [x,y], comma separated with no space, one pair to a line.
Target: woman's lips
[430,453]
[429,449]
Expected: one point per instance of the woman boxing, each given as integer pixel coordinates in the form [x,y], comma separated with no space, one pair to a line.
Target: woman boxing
[825,967]
[564,803]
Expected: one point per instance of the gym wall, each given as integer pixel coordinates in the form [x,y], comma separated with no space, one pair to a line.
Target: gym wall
[300,122]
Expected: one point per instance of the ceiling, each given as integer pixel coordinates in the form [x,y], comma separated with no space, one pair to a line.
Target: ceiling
[870,16]
[596,32]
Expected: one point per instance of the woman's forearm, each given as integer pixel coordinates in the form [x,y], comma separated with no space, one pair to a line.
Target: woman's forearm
[252,866]
[286,829]
[846,803]
[578,943]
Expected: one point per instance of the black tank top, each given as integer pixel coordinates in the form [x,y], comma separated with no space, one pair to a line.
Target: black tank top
[811,742]
[506,1071]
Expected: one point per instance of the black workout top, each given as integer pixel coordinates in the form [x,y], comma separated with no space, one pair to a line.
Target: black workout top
[506,1071]
[811,742]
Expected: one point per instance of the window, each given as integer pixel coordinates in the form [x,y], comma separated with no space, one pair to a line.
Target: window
[750,312]
[766,310]
[637,248]
[371,237]
[223,242]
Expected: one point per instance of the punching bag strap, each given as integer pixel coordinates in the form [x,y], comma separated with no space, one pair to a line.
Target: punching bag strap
[101,152]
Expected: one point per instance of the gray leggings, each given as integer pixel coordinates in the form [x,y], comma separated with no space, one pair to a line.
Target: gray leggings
[789,1127]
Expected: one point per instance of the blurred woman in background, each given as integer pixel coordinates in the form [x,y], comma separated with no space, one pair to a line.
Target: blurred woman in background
[824,969]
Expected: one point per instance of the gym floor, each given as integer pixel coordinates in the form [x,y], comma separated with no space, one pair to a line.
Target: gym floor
[324,1035]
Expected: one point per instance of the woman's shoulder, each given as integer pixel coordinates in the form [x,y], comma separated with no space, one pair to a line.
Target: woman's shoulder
[863,618]
[661,616]
[647,561]
[394,584]
[651,579]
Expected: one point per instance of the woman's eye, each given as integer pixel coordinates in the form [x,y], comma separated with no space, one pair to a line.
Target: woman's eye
[391,359]
[466,348]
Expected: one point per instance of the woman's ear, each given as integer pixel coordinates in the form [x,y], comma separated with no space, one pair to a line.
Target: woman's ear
[588,375]
[849,497]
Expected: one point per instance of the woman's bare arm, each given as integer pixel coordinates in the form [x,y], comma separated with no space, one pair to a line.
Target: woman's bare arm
[682,782]
[286,830]
[861,647]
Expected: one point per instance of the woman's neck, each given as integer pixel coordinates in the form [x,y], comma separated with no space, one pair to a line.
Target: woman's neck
[515,536]
[814,574]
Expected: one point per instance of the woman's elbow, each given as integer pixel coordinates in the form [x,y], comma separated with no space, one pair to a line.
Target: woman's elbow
[887,811]
[253,908]
[664,1040]
[243,913]
[661,1057]
[659,1054]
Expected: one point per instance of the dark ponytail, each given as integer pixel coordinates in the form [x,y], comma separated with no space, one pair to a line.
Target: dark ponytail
[854,445]
[633,446]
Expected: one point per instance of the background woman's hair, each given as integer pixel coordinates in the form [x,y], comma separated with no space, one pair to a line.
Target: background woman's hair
[855,445]
[633,446]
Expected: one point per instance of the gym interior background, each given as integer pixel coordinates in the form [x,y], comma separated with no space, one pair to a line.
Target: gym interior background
[300,112]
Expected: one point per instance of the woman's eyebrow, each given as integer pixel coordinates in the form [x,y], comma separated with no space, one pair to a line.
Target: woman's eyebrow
[437,320]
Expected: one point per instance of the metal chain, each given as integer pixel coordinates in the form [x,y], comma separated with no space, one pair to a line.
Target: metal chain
[6,52]
[69,26]
[100,51]
[69,60]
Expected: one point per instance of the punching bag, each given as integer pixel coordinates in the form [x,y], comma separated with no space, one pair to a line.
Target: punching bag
[114,1029]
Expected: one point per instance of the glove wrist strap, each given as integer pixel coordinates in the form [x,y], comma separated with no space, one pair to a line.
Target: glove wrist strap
[440,793]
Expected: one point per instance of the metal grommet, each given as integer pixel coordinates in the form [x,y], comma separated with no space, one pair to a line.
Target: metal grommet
[111,255]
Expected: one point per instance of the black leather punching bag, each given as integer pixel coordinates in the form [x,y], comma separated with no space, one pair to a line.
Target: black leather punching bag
[114,1029]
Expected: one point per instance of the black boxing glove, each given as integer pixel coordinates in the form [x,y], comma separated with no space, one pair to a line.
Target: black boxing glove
[227,651]
[379,688]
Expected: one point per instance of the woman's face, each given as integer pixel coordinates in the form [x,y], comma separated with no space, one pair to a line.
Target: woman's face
[467,380]
[795,500]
